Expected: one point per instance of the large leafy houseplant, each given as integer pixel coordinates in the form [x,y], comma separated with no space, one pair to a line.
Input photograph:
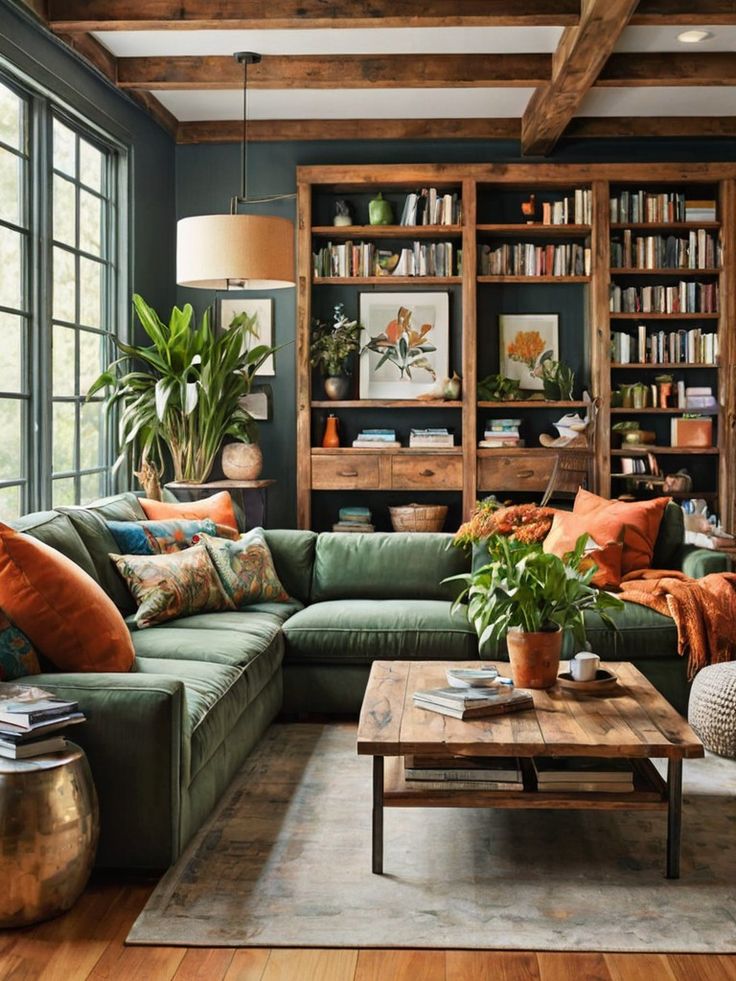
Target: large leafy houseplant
[182,393]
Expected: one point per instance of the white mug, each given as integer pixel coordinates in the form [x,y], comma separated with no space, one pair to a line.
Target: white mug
[584,666]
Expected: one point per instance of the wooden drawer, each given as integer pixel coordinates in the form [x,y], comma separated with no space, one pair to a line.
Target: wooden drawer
[502,472]
[345,471]
[427,472]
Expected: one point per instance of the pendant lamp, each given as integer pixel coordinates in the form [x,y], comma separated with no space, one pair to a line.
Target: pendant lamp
[237,251]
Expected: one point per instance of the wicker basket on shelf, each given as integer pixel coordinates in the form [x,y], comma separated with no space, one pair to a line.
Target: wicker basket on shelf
[418,517]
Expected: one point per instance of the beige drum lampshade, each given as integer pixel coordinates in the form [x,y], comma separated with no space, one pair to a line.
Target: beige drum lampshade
[220,252]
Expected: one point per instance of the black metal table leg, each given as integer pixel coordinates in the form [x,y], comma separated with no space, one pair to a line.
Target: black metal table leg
[378,815]
[674,817]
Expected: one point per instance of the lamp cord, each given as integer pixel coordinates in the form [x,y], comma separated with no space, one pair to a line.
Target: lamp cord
[244,150]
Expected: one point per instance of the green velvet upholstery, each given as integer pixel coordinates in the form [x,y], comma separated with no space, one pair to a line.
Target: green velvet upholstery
[699,562]
[57,530]
[99,542]
[670,537]
[359,631]
[385,566]
[119,507]
[293,556]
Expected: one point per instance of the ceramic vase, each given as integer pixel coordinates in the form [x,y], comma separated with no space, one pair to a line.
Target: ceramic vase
[534,657]
[242,461]
[337,387]
[331,437]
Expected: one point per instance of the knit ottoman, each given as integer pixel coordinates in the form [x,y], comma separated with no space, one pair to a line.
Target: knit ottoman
[712,708]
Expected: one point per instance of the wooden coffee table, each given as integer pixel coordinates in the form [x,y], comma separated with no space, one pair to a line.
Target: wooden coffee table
[634,722]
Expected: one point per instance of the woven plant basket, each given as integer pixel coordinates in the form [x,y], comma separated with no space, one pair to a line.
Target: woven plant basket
[419,517]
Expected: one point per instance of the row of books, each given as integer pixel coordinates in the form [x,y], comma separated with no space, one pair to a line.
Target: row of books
[699,250]
[500,433]
[430,207]
[693,346]
[431,437]
[647,206]
[686,297]
[356,520]
[352,259]
[376,439]
[32,720]
[529,259]
[572,210]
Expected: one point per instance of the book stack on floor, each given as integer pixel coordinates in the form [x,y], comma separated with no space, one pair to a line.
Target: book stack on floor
[501,432]
[584,774]
[463,773]
[355,520]
[431,437]
[376,439]
[32,720]
[474,703]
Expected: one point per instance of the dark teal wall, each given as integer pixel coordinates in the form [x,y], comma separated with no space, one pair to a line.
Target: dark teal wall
[207,175]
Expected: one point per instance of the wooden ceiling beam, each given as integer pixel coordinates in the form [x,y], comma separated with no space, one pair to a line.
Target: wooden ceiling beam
[337,72]
[669,68]
[576,64]
[71,16]
[660,13]
[95,53]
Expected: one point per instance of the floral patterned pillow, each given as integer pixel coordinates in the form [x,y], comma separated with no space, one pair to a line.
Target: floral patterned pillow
[245,568]
[17,655]
[177,584]
[159,537]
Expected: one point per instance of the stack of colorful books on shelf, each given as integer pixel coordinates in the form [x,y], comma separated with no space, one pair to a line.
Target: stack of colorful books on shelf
[584,774]
[698,251]
[574,210]
[348,260]
[501,433]
[664,347]
[646,206]
[431,438]
[354,520]
[530,259]
[32,720]
[376,439]
[463,773]
[430,207]
[700,210]
[686,297]
[473,703]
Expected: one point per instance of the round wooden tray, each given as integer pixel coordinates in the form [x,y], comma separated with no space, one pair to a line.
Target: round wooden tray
[604,681]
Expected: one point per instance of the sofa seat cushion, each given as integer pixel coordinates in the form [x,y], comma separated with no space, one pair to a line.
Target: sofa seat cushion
[642,633]
[360,631]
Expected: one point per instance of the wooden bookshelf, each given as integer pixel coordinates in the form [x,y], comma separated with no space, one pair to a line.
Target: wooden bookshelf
[490,200]
[658,410]
[665,366]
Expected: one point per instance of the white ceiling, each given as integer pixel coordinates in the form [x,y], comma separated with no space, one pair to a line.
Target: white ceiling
[417,103]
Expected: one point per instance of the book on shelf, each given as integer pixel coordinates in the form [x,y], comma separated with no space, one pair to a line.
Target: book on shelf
[472,703]
[429,206]
[355,514]
[692,432]
[354,528]
[700,210]
[698,250]
[376,439]
[376,444]
[33,747]
[531,259]
[500,433]
[583,774]
[348,260]
[475,769]
[698,398]
[639,465]
[431,437]
[25,705]
[642,206]
[575,209]
[665,347]
[472,785]
[686,297]
[13,733]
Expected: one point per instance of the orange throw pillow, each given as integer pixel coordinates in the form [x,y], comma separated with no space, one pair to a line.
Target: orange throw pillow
[64,613]
[219,508]
[641,521]
[564,533]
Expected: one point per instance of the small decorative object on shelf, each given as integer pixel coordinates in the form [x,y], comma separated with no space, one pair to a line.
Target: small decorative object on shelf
[571,430]
[445,389]
[380,211]
[342,216]
[664,390]
[418,517]
[331,348]
[528,208]
[558,380]
[331,438]
[242,461]
[692,430]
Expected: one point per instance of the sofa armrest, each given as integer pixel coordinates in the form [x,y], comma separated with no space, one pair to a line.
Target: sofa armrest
[699,562]
[133,740]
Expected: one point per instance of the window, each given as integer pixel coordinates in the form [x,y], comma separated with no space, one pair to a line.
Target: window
[59,295]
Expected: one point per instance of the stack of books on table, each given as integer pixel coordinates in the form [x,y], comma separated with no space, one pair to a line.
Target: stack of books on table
[501,432]
[376,439]
[463,773]
[585,774]
[473,703]
[32,720]
[431,437]
[356,520]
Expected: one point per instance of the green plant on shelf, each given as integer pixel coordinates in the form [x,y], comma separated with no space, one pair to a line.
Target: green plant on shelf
[557,378]
[333,344]
[498,388]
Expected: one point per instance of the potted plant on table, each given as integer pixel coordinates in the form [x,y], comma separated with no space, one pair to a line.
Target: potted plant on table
[182,393]
[531,598]
[332,346]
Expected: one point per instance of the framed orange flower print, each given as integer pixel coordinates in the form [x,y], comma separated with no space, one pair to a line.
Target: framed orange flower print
[527,340]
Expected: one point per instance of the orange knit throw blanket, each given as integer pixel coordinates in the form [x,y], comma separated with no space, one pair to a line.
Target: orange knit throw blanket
[704,611]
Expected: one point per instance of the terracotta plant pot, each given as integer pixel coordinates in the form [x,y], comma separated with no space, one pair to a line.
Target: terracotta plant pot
[242,461]
[534,657]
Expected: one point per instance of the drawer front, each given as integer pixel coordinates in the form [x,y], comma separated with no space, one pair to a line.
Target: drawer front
[345,471]
[427,472]
[507,473]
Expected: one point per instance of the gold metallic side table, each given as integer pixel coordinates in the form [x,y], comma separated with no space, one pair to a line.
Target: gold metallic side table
[49,827]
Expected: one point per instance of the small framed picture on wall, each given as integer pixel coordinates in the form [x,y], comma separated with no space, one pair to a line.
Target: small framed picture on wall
[526,341]
[262,328]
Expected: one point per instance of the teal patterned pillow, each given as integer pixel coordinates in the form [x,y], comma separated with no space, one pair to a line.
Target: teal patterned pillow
[17,656]
[158,537]
[245,568]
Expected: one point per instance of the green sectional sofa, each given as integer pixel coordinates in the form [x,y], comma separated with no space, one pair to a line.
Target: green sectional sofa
[164,740]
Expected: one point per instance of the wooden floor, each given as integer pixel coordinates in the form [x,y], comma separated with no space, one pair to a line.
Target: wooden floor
[88,942]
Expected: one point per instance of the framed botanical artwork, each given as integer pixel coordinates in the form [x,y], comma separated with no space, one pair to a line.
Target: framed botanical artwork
[406,344]
[527,340]
[263,328]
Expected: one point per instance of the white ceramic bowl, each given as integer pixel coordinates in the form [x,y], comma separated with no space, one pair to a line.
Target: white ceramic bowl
[472,677]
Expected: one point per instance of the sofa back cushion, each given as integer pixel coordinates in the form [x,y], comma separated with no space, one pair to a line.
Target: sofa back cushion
[386,566]
[100,543]
[57,530]
[118,507]
[293,558]
[670,538]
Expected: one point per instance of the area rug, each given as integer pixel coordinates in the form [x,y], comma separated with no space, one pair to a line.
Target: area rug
[285,861]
